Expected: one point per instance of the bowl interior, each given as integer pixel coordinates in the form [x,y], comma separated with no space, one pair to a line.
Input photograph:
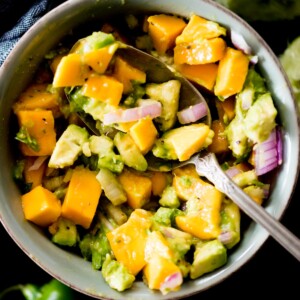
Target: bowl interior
[17,71]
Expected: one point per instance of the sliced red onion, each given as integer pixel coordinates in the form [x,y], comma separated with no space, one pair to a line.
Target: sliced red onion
[225,237]
[171,283]
[152,110]
[279,145]
[37,163]
[268,155]
[192,113]
[239,42]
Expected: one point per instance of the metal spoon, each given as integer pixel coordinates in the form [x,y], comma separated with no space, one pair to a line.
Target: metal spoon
[206,163]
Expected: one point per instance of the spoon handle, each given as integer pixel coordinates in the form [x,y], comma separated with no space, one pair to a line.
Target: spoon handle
[208,166]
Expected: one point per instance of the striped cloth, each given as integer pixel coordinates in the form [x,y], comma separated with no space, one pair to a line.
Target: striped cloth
[23,17]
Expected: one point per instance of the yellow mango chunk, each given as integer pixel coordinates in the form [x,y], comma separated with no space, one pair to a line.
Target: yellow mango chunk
[187,140]
[226,109]
[219,142]
[197,226]
[137,187]
[144,134]
[189,170]
[199,28]
[70,71]
[205,75]
[157,271]
[34,176]
[127,74]
[200,52]
[40,126]
[163,30]
[157,245]
[128,241]
[203,222]
[99,59]
[104,88]
[55,62]
[82,197]
[160,180]
[232,72]
[41,206]
[36,96]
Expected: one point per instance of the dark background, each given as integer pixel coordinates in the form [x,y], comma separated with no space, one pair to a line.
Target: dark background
[271,273]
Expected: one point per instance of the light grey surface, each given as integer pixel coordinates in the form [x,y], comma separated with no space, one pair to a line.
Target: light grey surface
[15,74]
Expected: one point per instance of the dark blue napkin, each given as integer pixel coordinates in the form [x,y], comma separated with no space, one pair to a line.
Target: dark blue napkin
[16,18]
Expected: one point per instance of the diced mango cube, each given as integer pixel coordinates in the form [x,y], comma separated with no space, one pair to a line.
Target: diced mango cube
[36,96]
[127,74]
[189,140]
[99,59]
[197,226]
[205,74]
[158,270]
[82,197]
[219,142]
[128,241]
[200,52]
[199,28]
[41,206]
[157,245]
[144,134]
[163,30]
[204,220]
[104,88]
[137,187]
[70,71]
[232,73]
[160,180]
[40,126]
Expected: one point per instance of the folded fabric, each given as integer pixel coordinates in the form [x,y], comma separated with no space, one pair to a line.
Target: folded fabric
[35,12]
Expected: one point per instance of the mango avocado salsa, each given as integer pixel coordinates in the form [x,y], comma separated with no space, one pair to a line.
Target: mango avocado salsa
[90,187]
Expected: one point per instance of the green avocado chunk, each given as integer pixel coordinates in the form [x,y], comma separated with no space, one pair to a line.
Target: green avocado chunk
[129,152]
[68,147]
[116,275]
[208,256]
[65,232]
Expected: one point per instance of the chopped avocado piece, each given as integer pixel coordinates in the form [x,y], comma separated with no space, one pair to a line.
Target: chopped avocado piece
[253,87]
[129,152]
[168,93]
[169,198]
[236,136]
[230,224]
[94,246]
[166,216]
[116,275]
[68,147]
[246,178]
[260,119]
[107,158]
[112,187]
[95,41]
[180,243]
[64,232]
[182,142]
[208,256]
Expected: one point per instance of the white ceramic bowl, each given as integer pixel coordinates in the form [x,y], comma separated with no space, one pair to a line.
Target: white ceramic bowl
[17,71]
